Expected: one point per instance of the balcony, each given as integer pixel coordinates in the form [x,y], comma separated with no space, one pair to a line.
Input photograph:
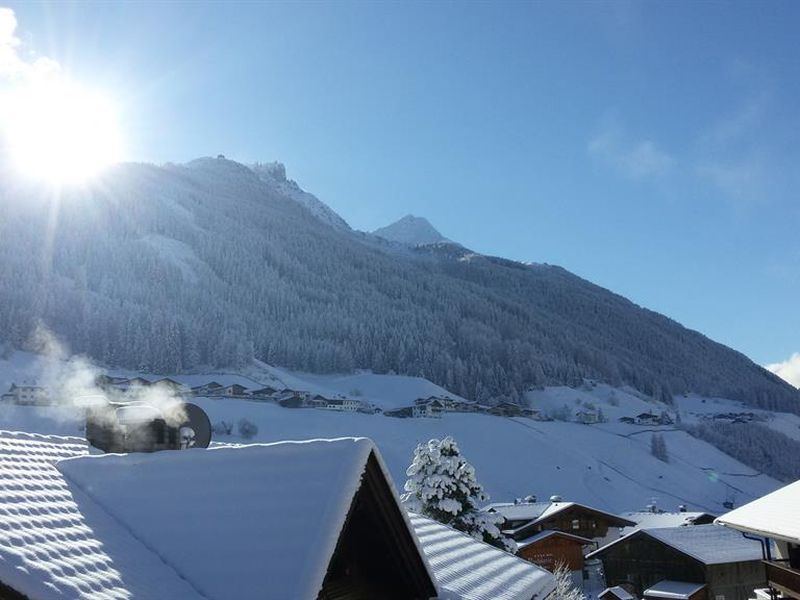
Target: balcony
[783,577]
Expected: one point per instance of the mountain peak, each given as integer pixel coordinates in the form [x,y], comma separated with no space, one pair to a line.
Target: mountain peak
[411,230]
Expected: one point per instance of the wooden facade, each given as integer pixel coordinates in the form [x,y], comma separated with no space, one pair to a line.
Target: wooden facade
[552,550]
[578,520]
[639,561]
[376,555]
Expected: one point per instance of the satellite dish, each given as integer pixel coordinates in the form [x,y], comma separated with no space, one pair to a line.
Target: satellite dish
[195,431]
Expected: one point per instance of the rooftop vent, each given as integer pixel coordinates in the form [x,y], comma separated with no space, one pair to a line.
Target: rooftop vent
[141,427]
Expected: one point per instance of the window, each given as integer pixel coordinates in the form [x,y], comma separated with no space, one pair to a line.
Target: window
[576,523]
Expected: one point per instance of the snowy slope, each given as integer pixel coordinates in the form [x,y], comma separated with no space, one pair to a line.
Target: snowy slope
[608,465]
[412,231]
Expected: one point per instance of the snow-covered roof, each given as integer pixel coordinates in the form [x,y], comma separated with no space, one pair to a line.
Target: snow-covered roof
[253,521]
[528,511]
[776,515]
[468,569]
[542,535]
[56,543]
[619,592]
[709,544]
[674,590]
[653,520]
[537,512]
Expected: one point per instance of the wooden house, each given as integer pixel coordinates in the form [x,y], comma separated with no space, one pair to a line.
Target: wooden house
[659,519]
[550,548]
[587,417]
[212,388]
[400,413]
[774,518]
[284,540]
[720,559]
[506,409]
[32,395]
[429,408]
[648,419]
[525,519]
[234,390]
[265,392]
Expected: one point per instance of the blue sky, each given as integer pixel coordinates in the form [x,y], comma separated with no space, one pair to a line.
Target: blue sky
[651,148]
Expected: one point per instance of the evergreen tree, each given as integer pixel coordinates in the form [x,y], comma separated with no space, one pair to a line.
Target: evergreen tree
[658,447]
[442,485]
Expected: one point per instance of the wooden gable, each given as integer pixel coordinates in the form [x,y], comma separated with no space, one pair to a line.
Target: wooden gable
[376,555]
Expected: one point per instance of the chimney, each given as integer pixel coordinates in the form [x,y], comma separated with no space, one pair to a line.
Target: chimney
[117,427]
[555,498]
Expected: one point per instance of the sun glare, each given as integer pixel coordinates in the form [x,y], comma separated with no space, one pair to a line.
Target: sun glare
[60,132]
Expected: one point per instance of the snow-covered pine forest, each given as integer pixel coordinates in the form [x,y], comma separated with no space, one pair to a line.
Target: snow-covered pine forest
[164,268]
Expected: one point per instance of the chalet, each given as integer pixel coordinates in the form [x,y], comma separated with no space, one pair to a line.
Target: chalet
[615,593]
[550,548]
[27,395]
[343,404]
[432,408]
[292,401]
[531,413]
[652,560]
[265,392]
[659,519]
[525,519]
[774,518]
[400,413]
[587,417]
[318,401]
[506,409]
[212,388]
[234,390]
[317,519]
[109,383]
[648,419]
[286,394]
[628,420]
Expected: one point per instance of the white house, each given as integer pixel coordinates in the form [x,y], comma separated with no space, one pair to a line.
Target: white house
[433,409]
[775,518]
[346,405]
[27,394]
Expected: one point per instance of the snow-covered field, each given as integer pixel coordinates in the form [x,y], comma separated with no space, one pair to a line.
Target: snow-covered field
[607,465]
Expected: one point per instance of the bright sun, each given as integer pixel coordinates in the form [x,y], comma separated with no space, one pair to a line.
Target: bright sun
[59,132]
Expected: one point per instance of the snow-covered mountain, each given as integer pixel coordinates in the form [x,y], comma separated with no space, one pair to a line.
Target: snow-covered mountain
[274,175]
[215,263]
[412,231]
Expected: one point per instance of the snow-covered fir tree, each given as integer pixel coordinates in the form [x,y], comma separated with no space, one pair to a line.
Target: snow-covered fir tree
[442,485]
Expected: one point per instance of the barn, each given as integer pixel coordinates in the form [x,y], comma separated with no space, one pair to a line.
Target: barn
[727,564]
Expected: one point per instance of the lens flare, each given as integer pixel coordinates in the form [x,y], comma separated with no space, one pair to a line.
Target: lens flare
[58,131]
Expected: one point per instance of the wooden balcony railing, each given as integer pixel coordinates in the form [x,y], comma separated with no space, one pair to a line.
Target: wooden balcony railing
[781,575]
